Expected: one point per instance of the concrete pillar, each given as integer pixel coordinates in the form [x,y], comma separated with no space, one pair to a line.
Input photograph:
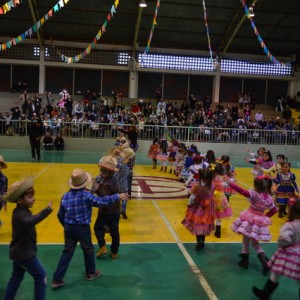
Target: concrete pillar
[216,87]
[42,71]
[133,84]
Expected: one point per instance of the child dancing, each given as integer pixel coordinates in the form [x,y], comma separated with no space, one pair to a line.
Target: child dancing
[200,214]
[153,152]
[287,188]
[253,223]
[286,260]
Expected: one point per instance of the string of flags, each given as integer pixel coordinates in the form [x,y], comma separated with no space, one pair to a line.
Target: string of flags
[32,30]
[154,23]
[88,49]
[259,38]
[8,6]
[208,36]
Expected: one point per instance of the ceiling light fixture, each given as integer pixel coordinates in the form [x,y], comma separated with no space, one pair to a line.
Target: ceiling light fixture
[143,3]
[251,12]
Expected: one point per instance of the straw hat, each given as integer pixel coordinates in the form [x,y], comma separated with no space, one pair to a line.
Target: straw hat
[108,162]
[79,179]
[4,165]
[17,189]
[129,152]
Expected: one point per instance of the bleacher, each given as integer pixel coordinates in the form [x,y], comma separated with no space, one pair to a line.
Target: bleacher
[7,101]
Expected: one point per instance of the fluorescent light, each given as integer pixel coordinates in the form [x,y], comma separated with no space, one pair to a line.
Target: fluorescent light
[143,3]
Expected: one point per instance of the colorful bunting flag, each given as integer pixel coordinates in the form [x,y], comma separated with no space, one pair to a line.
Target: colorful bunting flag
[154,23]
[259,38]
[29,32]
[90,46]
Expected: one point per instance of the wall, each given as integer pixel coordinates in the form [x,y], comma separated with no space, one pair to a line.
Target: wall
[103,145]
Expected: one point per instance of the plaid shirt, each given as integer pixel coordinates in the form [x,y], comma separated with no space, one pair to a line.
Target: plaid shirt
[76,206]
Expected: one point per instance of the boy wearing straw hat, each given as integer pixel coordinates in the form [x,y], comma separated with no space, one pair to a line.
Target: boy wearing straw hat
[108,217]
[75,215]
[3,184]
[23,248]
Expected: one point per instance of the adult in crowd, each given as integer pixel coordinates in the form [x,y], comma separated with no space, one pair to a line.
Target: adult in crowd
[36,132]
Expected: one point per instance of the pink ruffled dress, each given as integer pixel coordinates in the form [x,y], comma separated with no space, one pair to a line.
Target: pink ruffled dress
[253,222]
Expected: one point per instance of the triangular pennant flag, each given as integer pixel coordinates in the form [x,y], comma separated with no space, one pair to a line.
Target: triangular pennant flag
[20,38]
[116,3]
[113,10]
[94,41]
[42,21]
[89,48]
[105,23]
[1,11]
[3,46]
[38,24]
[56,8]
[46,17]
[11,3]
[5,8]
[0,47]
[30,32]
[34,28]
[66,1]
[14,42]
[23,36]
[154,22]
[61,3]
[16,2]
[8,45]
[108,17]
[50,13]
[103,29]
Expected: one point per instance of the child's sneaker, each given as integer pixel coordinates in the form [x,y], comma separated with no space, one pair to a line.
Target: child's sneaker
[114,256]
[93,276]
[56,284]
[102,251]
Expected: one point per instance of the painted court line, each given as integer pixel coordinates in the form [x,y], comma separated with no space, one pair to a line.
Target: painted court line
[211,295]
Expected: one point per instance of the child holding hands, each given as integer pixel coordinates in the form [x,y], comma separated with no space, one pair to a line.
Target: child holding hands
[23,250]
[286,260]
[200,214]
[253,223]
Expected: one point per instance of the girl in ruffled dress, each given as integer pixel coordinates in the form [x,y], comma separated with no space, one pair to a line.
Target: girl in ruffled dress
[287,188]
[179,163]
[162,157]
[172,150]
[153,152]
[193,179]
[253,223]
[188,162]
[265,164]
[222,206]
[200,215]
[286,260]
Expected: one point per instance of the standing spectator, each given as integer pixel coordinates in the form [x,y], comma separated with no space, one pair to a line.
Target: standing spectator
[24,99]
[75,216]
[36,132]
[3,184]
[15,116]
[287,114]
[23,250]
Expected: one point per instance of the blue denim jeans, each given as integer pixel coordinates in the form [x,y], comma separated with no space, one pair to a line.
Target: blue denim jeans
[73,235]
[35,269]
[112,221]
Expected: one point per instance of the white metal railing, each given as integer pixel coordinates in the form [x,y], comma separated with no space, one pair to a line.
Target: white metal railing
[149,132]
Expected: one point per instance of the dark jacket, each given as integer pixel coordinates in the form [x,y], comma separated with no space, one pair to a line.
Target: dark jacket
[23,244]
[106,187]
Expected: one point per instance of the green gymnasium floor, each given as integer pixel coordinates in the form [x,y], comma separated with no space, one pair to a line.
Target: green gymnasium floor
[157,257]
